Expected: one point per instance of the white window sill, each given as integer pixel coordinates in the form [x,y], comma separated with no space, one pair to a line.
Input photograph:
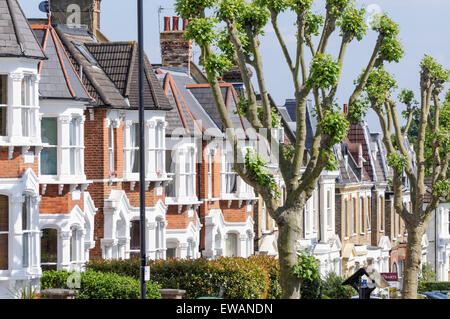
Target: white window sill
[182,201]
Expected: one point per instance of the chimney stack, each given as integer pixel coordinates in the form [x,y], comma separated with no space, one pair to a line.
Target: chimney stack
[345,109]
[77,13]
[176,50]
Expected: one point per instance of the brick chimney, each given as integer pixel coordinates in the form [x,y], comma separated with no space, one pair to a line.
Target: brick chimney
[77,12]
[176,50]
[345,109]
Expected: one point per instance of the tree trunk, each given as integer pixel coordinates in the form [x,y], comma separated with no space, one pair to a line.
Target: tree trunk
[290,230]
[412,263]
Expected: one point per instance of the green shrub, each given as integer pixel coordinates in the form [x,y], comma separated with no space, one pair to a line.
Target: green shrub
[428,286]
[332,288]
[98,285]
[237,278]
[311,289]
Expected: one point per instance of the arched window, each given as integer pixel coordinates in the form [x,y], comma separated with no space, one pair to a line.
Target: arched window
[49,249]
[4,231]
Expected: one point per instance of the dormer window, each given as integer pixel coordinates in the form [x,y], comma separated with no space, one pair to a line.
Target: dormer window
[3,104]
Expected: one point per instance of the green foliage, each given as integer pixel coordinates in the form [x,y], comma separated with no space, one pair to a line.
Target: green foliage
[332,288]
[253,17]
[386,26]
[428,273]
[397,162]
[189,9]
[260,173]
[313,22]
[216,64]
[379,84]
[335,124]
[324,71]
[336,7]
[311,289]
[428,286]
[434,70]
[442,189]
[406,96]
[352,23]
[299,6]
[229,9]
[391,50]
[307,267]
[288,150]
[240,278]
[358,110]
[202,31]
[332,164]
[98,285]
[277,6]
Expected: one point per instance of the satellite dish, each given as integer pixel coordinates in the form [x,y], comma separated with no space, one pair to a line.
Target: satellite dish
[44,7]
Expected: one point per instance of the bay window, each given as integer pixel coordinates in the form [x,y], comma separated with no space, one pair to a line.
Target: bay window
[49,249]
[361,215]
[49,154]
[134,148]
[353,215]
[314,211]
[3,104]
[210,175]
[111,159]
[171,168]
[135,239]
[76,145]
[26,231]
[159,237]
[189,172]
[4,232]
[230,178]
[345,222]
[329,221]
[231,244]
[27,106]
[159,147]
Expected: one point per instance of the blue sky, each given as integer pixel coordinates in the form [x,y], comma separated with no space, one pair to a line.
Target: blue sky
[424,26]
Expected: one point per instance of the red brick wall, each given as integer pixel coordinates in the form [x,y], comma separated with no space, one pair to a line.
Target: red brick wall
[15,167]
[53,203]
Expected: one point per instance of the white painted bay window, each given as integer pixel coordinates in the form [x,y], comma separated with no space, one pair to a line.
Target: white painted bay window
[230,178]
[76,146]
[314,211]
[111,164]
[329,216]
[26,231]
[361,215]
[189,172]
[172,172]
[210,175]
[49,154]
[159,150]
[134,148]
[28,115]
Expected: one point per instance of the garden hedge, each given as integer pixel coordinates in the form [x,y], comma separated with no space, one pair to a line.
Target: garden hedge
[233,278]
[99,285]
[428,286]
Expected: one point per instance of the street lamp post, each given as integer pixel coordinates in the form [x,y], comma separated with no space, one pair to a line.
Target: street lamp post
[142,147]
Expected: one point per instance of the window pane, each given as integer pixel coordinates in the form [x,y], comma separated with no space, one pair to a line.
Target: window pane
[3,89]
[49,249]
[73,246]
[135,161]
[26,249]
[135,135]
[26,214]
[232,245]
[49,130]
[4,214]
[3,251]
[49,164]
[26,90]
[135,242]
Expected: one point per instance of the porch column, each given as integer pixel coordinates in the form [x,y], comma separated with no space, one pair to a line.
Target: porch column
[64,263]
[242,245]
[183,250]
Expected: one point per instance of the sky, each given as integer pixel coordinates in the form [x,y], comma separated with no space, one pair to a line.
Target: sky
[424,27]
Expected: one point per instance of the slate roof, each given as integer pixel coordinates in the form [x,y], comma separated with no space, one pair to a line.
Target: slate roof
[16,37]
[348,170]
[110,71]
[58,76]
[356,135]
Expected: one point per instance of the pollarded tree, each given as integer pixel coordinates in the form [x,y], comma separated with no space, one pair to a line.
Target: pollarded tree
[432,152]
[239,43]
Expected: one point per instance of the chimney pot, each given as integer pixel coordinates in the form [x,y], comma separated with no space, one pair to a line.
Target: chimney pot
[166,23]
[345,109]
[175,23]
[185,23]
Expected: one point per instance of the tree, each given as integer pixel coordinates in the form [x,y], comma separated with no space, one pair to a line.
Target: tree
[239,43]
[432,152]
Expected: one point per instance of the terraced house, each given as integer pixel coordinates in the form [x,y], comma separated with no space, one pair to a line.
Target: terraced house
[20,146]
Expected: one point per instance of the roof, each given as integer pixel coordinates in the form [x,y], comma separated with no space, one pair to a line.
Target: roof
[16,37]
[349,172]
[110,71]
[59,78]
[356,135]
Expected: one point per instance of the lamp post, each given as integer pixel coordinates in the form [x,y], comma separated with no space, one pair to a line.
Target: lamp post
[142,147]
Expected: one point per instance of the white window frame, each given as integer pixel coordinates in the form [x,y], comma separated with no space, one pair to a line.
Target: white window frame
[314,211]
[111,150]
[229,173]
[160,148]
[329,215]
[361,215]
[27,106]
[75,146]
[26,231]
[368,221]
[55,146]
[210,175]
[134,148]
